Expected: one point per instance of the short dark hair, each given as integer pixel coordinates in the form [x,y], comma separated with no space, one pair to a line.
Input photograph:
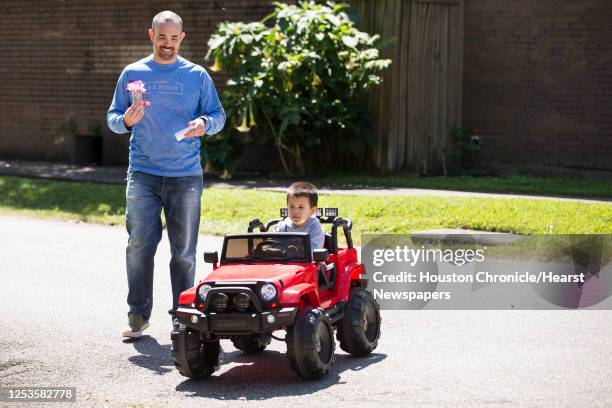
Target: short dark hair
[166,16]
[304,189]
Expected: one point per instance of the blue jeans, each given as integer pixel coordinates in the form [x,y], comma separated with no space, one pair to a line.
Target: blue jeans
[180,198]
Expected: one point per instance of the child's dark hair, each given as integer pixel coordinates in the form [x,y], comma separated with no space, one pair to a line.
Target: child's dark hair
[304,189]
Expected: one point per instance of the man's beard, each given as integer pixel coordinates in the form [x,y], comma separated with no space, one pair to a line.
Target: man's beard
[166,55]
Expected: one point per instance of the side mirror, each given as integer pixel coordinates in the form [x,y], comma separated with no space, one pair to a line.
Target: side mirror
[320,255]
[211,257]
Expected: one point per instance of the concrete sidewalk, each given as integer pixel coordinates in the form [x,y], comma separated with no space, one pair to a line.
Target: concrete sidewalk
[117,175]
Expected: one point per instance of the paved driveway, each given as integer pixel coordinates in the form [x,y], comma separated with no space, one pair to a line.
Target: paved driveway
[62,307]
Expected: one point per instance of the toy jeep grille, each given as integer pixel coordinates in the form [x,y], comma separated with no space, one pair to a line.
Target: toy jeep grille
[234,297]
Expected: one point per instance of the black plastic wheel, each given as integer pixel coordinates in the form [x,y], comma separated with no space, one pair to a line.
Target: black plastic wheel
[359,329]
[193,357]
[310,344]
[251,344]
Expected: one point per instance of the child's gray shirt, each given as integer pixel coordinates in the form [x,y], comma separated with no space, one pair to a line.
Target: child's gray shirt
[313,227]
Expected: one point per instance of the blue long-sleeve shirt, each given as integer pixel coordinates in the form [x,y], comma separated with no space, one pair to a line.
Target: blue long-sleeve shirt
[179,93]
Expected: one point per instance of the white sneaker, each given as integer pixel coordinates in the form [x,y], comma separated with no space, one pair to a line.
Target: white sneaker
[137,325]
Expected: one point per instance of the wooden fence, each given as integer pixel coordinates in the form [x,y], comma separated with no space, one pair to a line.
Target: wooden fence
[420,100]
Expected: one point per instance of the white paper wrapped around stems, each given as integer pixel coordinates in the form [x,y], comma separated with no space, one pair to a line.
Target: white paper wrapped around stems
[136,97]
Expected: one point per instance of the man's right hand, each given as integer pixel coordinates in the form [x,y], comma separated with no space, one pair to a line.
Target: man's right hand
[133,115]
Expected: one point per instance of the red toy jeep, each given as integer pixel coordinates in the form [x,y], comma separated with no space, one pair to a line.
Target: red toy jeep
[268,281]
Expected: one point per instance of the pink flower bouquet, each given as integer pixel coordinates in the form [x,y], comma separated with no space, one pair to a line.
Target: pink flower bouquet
[136,89]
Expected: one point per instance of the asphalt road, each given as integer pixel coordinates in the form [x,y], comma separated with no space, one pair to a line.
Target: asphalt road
[62,308]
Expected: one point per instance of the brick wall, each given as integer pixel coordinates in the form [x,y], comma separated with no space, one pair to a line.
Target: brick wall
[538,81]
[62,60]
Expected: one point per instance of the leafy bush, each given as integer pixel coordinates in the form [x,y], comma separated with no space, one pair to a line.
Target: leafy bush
[464,147]
[221,151]
[296,79]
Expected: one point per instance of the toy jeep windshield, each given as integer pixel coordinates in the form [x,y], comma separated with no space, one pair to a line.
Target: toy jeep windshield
[267,282]
[265,247]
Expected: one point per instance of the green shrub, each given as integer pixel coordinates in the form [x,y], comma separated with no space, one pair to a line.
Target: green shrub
[296,79]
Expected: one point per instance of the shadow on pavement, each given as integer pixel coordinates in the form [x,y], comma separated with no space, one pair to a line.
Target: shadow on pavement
[153,356]
[267,375]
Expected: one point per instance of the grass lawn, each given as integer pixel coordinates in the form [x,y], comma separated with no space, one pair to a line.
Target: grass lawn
[485,184]
[228,210]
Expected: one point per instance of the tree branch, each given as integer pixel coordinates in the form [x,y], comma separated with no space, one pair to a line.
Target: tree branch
[278,144]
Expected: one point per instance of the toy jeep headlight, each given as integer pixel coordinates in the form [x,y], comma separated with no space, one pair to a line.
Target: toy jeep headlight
[267,292]
[219,301]
[242,302]
[203,291]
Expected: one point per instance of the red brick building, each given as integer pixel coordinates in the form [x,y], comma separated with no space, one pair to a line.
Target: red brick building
[537,81]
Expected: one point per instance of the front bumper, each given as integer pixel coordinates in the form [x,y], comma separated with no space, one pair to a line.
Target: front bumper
[236,323]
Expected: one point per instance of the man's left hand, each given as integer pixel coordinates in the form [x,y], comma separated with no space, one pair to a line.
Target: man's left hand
[199,128]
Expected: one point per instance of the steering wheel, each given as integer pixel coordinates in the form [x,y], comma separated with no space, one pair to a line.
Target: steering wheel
[260,247]
[265,248]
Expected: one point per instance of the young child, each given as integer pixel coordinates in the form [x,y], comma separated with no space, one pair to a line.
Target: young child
[302,200]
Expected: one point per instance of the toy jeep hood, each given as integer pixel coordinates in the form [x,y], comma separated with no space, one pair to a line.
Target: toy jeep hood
[255,272]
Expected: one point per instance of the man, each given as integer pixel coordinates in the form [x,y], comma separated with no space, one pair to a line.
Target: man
[164,171]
